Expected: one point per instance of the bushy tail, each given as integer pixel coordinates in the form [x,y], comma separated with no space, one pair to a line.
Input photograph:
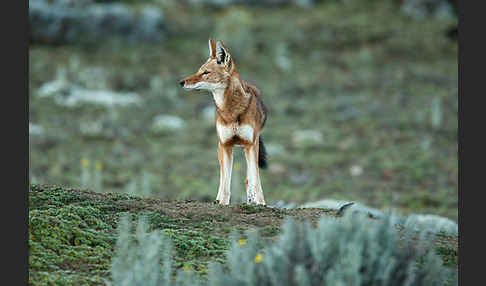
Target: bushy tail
[262,154]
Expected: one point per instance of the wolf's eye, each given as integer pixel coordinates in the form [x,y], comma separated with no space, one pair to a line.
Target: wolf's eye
[205,72]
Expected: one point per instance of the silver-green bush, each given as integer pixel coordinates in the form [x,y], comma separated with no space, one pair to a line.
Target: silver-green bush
[137,262]
[352,250]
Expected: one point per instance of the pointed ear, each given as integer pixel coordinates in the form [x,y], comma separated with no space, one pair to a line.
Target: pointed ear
[212,49]
[223,56]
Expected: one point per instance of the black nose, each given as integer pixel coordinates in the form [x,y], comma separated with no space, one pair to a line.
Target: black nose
[181,82]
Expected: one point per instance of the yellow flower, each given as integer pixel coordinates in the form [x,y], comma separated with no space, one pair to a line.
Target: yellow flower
[258,258]
[84,162]
[98,166]
[186,268]
[242,241]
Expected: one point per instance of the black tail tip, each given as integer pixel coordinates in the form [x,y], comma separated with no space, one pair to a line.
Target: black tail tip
[262,154]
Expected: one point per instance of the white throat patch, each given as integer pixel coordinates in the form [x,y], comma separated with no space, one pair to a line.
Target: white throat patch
[217,89]
[218,95]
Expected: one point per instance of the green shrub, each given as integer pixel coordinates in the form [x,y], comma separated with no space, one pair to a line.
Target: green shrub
[352,250]
[137,262]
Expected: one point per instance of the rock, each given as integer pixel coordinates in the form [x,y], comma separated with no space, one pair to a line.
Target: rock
[54,87]
[91,128]
[163,123]
[325,204]
[356,170]
[422,9]
[106,98]
[307,137]
[150,24]
[304,3]
[72,3]
[283,205]
[274,149]
[68,22]
[35,130]
[99,97]
[71,95]
[416,222]
[272,3]
[283,59]
[225,3]
[336,205]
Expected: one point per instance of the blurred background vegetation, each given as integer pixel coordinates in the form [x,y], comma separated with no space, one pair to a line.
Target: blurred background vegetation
[362,98]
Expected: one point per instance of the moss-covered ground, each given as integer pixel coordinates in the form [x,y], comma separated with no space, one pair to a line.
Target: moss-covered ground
[72,233]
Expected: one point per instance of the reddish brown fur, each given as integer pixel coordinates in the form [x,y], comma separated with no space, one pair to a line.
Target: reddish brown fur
[242,105]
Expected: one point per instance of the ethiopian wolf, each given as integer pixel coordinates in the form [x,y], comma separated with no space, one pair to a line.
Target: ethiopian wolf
[240,117]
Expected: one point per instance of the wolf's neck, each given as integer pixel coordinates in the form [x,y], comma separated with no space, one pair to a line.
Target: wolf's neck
[218,95]
[232,100]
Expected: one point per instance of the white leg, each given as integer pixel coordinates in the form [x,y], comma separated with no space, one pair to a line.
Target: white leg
[254,192]
[225,157]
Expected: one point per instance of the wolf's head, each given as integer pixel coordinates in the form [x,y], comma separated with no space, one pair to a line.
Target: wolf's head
[215,73]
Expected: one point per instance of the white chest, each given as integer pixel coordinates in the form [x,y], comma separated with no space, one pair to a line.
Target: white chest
[226,132]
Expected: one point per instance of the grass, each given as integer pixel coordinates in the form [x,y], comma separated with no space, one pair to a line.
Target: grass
[381,87]
[72,233]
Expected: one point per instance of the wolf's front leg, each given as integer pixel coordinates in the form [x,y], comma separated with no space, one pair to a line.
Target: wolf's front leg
[225,157]
[254,192]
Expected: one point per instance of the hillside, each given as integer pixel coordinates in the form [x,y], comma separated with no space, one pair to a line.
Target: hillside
[362,100]
[72,232]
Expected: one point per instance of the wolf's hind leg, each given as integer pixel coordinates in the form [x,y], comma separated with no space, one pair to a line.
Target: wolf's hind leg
[254,192]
